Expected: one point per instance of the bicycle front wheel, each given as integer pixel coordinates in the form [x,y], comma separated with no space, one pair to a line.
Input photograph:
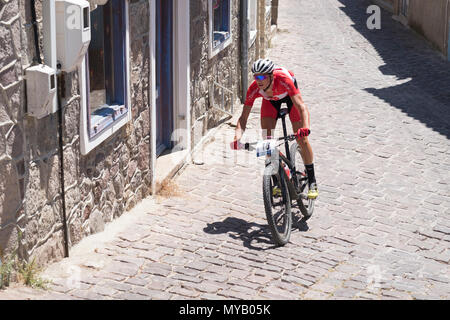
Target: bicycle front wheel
[277,204]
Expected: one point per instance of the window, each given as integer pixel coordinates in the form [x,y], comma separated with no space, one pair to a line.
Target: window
[52,82]
[106,85]
[104,75]
[219,25]
[253,19]
[86,18]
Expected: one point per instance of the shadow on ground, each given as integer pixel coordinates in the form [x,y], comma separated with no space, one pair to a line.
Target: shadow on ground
[426,96]
[254,236]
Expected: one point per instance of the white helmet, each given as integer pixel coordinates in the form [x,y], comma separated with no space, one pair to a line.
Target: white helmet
[263,66]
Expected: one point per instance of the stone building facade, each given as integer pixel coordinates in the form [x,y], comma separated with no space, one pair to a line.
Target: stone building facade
[99,186]
[216,81]
[46,207]
[431,19]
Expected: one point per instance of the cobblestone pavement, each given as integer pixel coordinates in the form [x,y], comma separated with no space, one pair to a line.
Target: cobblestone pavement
[381,228]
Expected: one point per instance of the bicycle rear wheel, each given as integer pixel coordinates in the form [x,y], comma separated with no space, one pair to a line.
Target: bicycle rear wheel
[305,205]
[277,207]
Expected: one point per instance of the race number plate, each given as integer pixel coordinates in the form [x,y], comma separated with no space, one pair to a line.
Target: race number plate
[266,147]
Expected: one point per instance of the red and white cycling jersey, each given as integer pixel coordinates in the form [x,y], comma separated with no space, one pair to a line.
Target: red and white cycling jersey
[283,86]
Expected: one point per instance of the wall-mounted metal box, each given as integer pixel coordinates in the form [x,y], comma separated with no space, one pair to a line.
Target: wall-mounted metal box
[41,90]
[73,32]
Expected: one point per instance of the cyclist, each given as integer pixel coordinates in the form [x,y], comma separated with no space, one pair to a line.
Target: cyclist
[277,85]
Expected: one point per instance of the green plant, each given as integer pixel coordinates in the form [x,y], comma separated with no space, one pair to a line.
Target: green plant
[28,274]
[7,263]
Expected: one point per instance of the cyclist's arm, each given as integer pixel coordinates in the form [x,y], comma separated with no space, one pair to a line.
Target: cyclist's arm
[301,107]
[242,122]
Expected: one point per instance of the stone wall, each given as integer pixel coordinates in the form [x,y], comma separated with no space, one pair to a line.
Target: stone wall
[99,186]
[431,21]
[116,175]
[224,68]
[15,155]
[257,49]
[266,31]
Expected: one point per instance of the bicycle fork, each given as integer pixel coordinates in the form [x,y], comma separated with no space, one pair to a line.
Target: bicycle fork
[278,169]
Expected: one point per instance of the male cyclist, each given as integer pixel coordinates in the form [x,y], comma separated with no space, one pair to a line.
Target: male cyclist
[277,85]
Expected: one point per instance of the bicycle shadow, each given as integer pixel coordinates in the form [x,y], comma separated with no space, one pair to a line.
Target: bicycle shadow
[254,236]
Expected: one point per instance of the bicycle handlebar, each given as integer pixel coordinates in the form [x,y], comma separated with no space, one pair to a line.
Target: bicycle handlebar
[291,137]
[247,145]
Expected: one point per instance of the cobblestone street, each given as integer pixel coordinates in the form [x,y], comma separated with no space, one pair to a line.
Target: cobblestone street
[380,132]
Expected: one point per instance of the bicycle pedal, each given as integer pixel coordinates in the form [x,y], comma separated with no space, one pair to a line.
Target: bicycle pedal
[276,192]
[313,194]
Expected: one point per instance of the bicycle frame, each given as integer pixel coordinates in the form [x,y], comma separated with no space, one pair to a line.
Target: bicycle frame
[287,160]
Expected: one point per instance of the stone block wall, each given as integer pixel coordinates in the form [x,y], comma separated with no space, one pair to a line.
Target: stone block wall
[267,27]
[224,68]
[116,175]
[16,164]
[430,19]
[100,186]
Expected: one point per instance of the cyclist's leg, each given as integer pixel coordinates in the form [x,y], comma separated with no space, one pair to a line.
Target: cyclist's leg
[308,159]
[305,146]
[297,123]
[268,118]
[268,127]
[268,123]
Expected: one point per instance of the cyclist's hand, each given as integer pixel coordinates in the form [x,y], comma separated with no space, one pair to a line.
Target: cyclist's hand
[303,132]
[236,145]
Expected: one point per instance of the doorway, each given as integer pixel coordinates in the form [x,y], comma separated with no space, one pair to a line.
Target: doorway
[448,42]
[170,51]
[164,75]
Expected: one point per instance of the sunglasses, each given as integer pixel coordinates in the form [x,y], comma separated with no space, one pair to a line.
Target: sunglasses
[261,77]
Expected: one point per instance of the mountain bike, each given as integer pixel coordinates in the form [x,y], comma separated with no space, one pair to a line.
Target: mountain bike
[283,182]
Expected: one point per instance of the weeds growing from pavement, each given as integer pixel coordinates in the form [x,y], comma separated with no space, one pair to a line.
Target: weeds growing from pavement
[168,188]
[25,272]
[28,275]
[7,263]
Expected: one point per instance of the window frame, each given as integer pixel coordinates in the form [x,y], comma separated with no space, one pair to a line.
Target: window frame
[88,142]
[215,50]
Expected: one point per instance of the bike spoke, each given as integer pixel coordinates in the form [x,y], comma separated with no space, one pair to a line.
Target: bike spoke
[281,217]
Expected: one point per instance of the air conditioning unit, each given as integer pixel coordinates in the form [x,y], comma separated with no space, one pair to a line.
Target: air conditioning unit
[73,32]
[41,90]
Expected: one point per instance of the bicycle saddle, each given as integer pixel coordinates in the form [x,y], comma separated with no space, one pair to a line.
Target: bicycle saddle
[284,112]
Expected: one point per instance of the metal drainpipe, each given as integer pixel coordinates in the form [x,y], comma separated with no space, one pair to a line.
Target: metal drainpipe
[61,162]
[35,31]
[244,48]
[49,44]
